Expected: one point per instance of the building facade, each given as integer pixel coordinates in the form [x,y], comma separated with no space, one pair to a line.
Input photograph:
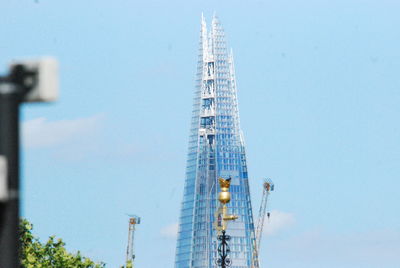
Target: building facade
[216,149]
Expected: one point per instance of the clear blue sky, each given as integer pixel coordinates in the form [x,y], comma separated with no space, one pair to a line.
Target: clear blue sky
[319,95]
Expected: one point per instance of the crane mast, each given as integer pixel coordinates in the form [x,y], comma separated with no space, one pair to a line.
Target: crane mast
[268,186]
[130,250]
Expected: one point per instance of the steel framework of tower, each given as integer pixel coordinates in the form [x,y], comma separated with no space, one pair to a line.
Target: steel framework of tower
[216,149]
[268,186]
[130,250]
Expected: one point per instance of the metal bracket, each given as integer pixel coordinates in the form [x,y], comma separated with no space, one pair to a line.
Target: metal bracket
[3,179]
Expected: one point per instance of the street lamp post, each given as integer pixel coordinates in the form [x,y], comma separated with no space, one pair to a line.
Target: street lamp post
[222,219]
[28,81]
[9,154]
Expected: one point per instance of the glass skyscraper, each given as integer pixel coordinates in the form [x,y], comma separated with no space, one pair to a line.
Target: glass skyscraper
[216,149]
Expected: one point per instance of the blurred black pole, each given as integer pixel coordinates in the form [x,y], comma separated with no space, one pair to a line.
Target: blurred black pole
[10,99]
[39,77]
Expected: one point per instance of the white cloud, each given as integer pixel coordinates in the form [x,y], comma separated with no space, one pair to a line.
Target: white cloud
[277,221]
[170,231]
[40,132]
[322,248]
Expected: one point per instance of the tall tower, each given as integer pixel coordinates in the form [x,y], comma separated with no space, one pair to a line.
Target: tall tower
[216,149]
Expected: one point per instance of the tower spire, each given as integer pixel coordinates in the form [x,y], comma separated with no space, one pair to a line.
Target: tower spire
[216,149]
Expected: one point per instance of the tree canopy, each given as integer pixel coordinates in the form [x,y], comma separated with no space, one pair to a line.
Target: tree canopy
[35,254]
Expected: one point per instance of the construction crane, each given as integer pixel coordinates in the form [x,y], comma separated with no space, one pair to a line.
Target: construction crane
[268,186]
[130,250]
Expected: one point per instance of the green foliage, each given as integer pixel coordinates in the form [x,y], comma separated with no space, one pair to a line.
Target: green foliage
[52,254]
[129,264]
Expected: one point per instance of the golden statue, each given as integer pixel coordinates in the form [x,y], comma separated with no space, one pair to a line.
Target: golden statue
[224,197]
